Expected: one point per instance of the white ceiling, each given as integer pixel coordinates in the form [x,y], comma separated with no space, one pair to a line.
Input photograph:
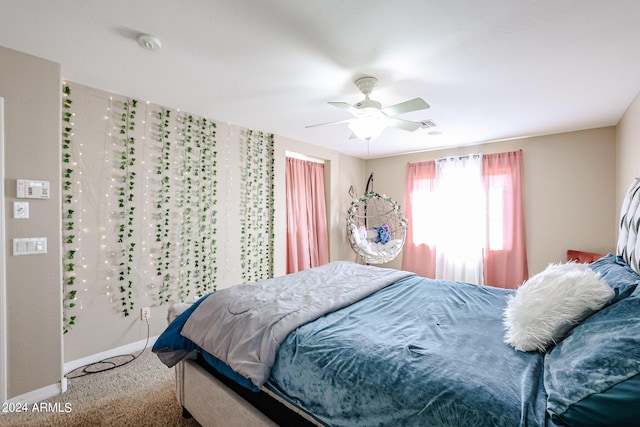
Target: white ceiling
[490,69]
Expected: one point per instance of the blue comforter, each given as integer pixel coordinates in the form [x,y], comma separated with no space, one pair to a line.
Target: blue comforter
[420,352]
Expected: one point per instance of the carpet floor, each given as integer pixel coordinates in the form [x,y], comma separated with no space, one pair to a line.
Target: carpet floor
[139,394]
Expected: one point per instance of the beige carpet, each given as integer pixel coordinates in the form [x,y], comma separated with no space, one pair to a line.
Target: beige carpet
[139,394]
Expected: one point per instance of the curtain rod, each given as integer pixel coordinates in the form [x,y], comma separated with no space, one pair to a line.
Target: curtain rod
[480,154]
[475,156]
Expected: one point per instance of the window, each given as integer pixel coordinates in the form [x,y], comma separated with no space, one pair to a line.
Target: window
[466,219]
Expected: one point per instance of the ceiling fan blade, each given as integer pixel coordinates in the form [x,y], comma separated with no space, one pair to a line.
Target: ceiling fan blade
[343,105]
[329,123]
[404,124]
[406,107]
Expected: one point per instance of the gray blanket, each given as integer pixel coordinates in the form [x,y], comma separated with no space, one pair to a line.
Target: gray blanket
[244,325]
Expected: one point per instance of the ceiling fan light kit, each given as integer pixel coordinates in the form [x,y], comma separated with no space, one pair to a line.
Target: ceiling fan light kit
[370,119]
[367,128]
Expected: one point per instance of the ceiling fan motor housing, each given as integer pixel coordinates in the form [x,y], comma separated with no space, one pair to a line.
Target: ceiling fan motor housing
[368,106]
[368,103]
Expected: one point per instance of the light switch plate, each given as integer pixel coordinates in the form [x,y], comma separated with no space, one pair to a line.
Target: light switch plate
[20,210]
[32,189]
[30,246]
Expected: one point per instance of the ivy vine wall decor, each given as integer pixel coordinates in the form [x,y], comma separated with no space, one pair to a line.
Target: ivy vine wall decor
[257,206]
[68,214]
[159,205]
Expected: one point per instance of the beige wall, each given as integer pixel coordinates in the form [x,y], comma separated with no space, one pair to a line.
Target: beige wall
[32,100]
[628,150]
[569,190]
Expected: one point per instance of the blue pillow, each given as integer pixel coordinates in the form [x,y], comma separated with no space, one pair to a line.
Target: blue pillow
[592,376]
[618,274]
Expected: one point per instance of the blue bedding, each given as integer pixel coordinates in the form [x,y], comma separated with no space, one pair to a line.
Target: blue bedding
[420,352]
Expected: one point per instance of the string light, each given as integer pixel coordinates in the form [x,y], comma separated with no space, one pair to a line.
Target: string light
[193,216]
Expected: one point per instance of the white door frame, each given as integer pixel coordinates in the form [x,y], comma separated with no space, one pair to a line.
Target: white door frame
[3,268]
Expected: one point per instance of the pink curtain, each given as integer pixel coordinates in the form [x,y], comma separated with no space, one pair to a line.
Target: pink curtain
[418,256]
[505,257]
[307,236]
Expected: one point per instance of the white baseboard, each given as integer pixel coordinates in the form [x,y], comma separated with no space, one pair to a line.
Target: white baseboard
[58,388]
[40,394]
[118,351]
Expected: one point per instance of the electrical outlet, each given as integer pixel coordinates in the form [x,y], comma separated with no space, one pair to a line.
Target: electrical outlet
[145,313]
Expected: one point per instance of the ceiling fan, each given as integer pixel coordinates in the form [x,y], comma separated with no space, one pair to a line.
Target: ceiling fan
[370,119]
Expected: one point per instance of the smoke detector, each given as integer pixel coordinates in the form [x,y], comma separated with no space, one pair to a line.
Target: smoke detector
[149,42]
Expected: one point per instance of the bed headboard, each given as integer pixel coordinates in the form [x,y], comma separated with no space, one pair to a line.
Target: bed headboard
[628,242]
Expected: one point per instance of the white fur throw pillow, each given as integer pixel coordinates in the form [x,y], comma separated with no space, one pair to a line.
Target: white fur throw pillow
[548,305]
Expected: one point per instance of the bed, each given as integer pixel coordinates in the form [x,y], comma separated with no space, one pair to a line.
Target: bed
[353,345]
